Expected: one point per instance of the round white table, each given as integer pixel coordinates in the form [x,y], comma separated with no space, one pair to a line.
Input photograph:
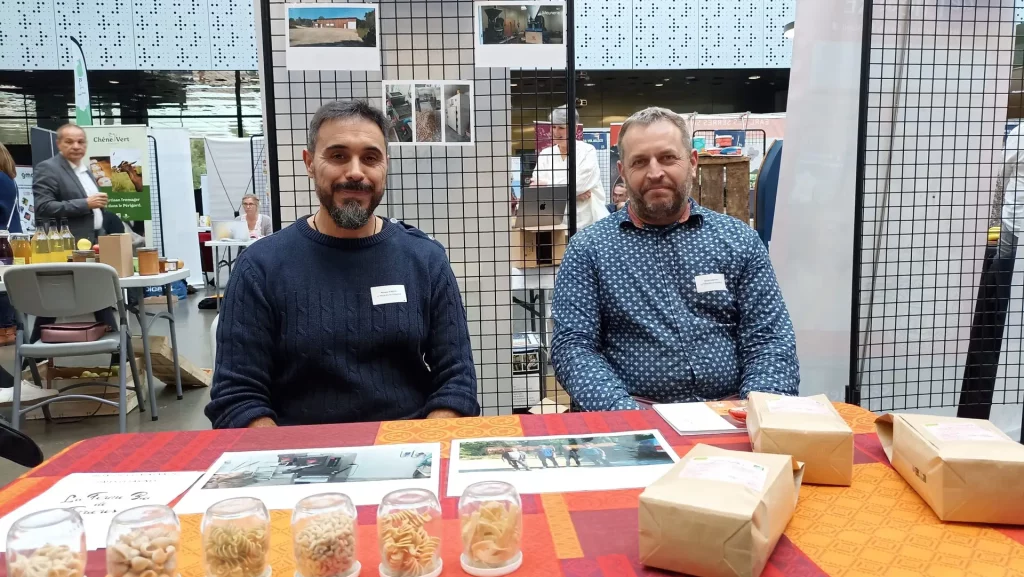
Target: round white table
[229,244]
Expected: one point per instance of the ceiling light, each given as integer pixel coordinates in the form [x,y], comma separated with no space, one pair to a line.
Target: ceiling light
[667,79]
[589,84]
[754,77]
[659,84]
[788,30]
[114,82]
[513,84]
[691,77]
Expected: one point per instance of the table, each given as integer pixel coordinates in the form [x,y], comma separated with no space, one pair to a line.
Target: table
[879,526]
[228,244]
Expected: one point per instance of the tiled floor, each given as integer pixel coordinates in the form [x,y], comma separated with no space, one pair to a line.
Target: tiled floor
[195,342]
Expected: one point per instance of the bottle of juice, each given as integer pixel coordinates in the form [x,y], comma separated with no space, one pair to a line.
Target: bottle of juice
[67,239]
[56,244]
[6,250]
[40,245]
[22,244]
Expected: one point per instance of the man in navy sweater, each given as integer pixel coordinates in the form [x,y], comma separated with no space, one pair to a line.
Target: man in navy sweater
[343,316]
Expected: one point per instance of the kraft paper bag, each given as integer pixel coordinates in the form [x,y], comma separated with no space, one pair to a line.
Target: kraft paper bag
[967,470]
[116,251]
[808,428]
[718,513]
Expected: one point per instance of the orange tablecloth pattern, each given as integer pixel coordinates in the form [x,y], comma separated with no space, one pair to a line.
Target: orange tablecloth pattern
[879,526]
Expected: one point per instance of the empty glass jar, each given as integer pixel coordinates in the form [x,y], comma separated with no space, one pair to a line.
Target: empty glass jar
[324,536]
[236,538]
[142,539]
[50,542]
[409,534]
[491,514]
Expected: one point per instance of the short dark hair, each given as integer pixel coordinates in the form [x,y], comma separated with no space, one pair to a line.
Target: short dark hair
[649,116]
[338,109]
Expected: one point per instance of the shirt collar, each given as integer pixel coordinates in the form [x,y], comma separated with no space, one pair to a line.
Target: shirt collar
[695,218]
[80,167]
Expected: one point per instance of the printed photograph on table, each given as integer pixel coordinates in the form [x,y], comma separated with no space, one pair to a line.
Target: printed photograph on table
[332,37]
[428,112]
[398,106]
[561,463]
[282,477]
[458,113]
[520,35]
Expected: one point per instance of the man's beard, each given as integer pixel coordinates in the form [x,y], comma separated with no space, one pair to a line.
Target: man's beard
[350,215]
[646,212]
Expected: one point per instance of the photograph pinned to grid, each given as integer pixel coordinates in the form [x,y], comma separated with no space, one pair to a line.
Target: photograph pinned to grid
[429,112]
[398,107]
[458,113]
[332,37]
[519,35]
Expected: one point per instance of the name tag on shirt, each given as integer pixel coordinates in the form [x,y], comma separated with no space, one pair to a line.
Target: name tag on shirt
[710,282]
[385,295]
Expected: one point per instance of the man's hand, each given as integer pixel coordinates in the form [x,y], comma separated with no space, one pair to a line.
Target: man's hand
[443,414]
[262,423]
[98,201]
[583,196]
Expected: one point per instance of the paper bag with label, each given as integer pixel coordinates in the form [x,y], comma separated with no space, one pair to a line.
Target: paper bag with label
[808,428]
[116,250]
[718,513]
[967,470]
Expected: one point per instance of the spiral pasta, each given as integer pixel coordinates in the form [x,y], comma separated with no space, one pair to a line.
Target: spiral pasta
[407,550]
[325,546]
[490,534]
[232,551]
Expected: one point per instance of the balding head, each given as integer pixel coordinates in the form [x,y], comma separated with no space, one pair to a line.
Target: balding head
[71,142]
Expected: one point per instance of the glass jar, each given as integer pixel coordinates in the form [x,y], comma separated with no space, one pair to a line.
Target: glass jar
[149,262]
[491,515]
[142,539]
[324,536]
[236,538]
[409,534]
[50,542]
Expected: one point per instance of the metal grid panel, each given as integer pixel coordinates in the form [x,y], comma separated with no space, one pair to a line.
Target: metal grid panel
[665,34]
[928,289]
[154,194]
[260,172]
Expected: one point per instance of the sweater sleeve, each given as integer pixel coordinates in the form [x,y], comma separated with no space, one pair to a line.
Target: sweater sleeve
[9,212]
[245,351]
[576,345]
[449,353]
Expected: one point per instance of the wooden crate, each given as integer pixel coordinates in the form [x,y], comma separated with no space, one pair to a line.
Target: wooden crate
[724,185]
[55,377]
[163,363]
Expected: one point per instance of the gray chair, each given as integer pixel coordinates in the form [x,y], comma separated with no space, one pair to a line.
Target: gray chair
[66,290]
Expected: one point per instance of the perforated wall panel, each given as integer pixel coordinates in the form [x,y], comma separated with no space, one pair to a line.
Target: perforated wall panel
[27,34]
[731,33]
[778,50]
[104,27]
[232,35]
[604,34]
[665,34]
[169,31]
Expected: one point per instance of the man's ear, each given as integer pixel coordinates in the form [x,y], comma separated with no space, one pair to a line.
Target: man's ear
[307,158]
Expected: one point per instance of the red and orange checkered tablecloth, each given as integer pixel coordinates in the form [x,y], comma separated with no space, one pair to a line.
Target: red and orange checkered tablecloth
[878,526]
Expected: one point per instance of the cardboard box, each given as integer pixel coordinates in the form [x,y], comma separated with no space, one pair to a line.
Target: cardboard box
[808,428]
[537,248]
[967,470]
[718,513]
[59,377]
[161,355]
[116,251]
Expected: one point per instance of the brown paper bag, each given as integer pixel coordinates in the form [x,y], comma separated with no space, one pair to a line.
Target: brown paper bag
[116,250]
[718,513]
[808,428]
[965,469]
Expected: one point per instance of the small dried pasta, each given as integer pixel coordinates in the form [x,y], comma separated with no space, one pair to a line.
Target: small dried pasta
[232,551]
[406,549]
[490,534]
[325,545]
[47,561]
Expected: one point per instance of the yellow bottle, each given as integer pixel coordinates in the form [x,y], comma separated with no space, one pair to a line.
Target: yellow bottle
[67,239]
[56,244]
[40,246]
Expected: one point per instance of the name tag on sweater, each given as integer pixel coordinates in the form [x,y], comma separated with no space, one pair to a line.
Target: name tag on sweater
[710,282]
[385,295]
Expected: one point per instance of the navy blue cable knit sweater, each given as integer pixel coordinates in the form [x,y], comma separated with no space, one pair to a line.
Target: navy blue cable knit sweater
[301,341]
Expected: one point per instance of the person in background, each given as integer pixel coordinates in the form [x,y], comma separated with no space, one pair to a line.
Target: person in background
[619,196]
[572,453]
[668,300]
[259,224]
[343,316]
[63,187]
[547,453]
[553,170]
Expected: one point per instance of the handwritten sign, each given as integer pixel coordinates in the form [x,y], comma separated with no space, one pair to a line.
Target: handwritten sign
[98,497]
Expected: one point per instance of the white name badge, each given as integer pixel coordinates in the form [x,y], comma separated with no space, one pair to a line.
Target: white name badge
[710,282]
[385,295]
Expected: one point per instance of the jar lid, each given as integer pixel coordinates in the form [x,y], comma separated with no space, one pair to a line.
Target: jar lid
[147,249]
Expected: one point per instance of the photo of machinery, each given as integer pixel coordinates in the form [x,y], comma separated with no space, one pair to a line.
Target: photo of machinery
[458,113]
[398,107]
[525,23]
[428,113]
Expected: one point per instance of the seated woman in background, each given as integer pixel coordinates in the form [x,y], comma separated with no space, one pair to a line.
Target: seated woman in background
[259,224]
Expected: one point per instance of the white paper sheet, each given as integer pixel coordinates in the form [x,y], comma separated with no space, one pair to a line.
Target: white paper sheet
[280,478]
[98,497]
[626,460]
[694,418]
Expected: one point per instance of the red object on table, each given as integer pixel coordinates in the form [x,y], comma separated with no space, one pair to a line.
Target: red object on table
[205,252]
[879,526]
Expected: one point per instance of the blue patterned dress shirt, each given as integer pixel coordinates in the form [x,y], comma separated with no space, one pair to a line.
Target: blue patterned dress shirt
[629,319]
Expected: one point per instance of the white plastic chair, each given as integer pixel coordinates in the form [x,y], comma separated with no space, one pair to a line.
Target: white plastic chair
[65,290]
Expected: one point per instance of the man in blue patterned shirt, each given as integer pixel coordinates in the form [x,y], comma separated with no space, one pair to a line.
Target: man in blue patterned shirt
[668,300]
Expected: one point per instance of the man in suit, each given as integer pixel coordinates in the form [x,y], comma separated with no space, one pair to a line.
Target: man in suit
[64,188]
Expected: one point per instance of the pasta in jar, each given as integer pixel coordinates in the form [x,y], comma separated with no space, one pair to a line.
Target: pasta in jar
[492,524]
[408,531]
[324,536]
[236,539]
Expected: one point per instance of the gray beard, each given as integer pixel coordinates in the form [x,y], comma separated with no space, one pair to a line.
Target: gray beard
[351,216]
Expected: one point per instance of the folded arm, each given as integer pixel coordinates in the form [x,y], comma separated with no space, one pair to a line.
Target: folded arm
[240,395]
[767,343]
[576,346]
[46,190]
[449,353]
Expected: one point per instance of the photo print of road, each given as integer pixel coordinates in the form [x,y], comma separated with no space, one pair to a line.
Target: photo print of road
[562,463]
[332,37]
